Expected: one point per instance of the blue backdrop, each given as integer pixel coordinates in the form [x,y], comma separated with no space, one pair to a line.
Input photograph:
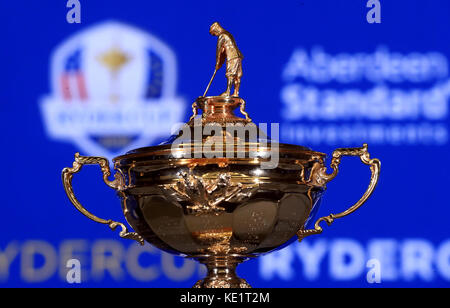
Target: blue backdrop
[330,78]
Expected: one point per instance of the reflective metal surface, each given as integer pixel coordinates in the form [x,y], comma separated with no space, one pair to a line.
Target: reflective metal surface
[220,209]
[228,51]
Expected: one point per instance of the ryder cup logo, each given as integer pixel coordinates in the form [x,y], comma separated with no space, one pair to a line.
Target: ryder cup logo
[113,89]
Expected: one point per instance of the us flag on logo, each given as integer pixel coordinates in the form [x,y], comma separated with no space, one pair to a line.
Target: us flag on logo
[72,79]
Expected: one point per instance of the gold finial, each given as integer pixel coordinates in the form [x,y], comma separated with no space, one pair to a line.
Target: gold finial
[227,50]
[114,59]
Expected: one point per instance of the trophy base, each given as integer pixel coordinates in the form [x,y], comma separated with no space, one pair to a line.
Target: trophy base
[221,272]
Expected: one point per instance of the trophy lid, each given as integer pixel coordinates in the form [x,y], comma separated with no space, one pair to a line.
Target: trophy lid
[218,133]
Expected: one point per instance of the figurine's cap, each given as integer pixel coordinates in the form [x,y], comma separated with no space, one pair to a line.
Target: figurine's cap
[215,26]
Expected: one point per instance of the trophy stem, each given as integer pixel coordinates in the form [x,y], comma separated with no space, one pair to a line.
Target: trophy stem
[221,272]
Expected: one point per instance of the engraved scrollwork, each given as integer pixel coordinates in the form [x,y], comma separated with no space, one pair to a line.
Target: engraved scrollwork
[222,283]
[119,173]
[117,183]
[318,175]
[321,177]
[205,194]
[194,112]
[242,110]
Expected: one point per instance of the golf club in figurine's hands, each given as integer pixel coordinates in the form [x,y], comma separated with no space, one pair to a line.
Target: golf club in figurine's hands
[227,49]
[219,199]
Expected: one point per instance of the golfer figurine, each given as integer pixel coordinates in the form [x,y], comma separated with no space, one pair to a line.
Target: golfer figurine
[227,50]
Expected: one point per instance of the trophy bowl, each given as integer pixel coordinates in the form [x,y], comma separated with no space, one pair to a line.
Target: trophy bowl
[224,210]
[220,198]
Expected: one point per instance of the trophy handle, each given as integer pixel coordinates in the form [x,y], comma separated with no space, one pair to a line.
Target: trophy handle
[67,175]
[336,160]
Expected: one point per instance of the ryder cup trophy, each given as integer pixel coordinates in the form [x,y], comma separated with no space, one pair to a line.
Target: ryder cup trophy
[220,191]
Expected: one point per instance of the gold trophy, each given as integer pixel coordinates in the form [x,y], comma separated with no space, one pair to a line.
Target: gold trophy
[217,198]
